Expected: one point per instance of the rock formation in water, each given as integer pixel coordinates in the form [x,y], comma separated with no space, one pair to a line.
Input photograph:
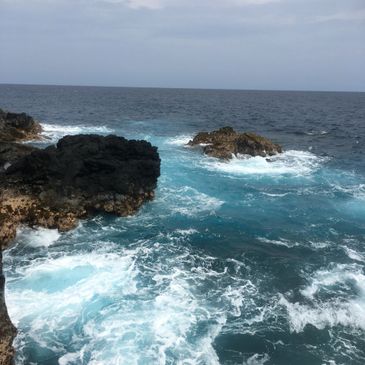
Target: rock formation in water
[18,127]
[80,176]
[225,143]
[53,187]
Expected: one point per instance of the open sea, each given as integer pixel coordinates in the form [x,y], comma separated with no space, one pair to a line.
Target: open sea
[245,262]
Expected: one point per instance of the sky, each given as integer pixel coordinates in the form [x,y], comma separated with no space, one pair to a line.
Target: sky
[220,44]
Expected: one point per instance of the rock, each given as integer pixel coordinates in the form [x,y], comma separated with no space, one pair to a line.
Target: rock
[226,142]
[80,176]
[18,127]
[7,330]
[10,152]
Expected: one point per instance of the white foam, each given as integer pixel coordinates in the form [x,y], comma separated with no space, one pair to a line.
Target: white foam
[180,140]
[315,133]
[115,315]
[335,310]
[354,255]
[40,237]
[186,232]
[275,195]
[357,191]
[257,359]
[54,131]
[188,201]
[297,163]
[279,242]
[320,244]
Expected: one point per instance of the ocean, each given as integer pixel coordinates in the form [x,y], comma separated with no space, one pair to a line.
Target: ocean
[241,262]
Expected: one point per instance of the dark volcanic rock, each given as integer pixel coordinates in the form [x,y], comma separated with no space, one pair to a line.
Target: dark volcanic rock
[225,142]
[7,330]
[18,127]
[80,176]
[10,152]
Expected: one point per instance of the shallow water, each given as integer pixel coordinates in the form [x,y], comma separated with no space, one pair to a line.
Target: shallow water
[246,262]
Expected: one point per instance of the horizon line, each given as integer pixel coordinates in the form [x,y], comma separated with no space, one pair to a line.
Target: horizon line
[180,88]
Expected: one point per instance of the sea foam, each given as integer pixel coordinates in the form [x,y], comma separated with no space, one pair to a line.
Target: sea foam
[53,132]
[296,163]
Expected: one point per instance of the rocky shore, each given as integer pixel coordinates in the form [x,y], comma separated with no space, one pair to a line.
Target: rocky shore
[225,143]
[54,187]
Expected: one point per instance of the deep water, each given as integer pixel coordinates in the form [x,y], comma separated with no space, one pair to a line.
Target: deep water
[246,262]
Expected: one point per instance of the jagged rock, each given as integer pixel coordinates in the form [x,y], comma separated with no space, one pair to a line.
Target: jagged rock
[18,127]
[80,176]
[226,142]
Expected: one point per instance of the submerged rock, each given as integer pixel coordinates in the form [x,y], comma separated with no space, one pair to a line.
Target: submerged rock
[18,127]
[80,176]
[226,142]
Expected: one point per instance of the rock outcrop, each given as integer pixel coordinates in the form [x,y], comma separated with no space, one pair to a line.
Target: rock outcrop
[11,152]
[80,176]
[225,143]
[18,127]
[54,187]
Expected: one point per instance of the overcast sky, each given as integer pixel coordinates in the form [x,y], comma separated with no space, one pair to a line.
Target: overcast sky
[239,44]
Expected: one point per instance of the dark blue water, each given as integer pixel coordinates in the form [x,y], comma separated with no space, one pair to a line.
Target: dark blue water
[246,262]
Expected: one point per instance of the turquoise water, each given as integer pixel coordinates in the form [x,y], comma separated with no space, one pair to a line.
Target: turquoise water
[246,262]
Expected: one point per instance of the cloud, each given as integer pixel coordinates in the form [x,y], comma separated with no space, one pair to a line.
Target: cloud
[138,4]
[342,16]
[159,4]
[253,2]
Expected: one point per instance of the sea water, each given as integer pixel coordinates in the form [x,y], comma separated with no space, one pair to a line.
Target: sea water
[240,262]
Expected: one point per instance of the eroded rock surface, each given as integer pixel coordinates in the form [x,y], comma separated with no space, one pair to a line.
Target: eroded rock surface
[11,152]
[18,127]
[225,143]
[80,176]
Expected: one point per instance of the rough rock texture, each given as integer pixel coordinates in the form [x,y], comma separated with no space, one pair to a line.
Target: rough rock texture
[226,142]
[18,127]
[54,187]
[80,176]
[10,152]
[7,330]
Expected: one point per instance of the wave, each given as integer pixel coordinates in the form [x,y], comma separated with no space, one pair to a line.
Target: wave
[329,304]
[54,132]
[279,242]
[296,163]
[188,201]
[316,133]
[39,237]
[142,304]
[357,191]
[180,140]
[354,255]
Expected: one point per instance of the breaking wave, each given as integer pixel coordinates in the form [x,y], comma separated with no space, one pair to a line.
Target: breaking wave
[296,163]
[53,132]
